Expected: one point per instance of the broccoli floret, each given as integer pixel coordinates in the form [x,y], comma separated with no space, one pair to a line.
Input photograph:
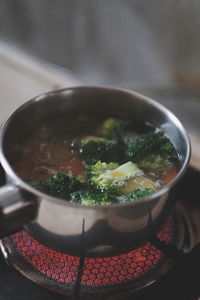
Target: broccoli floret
[148,144]
[154,163]
[98,176]
[94,150]
[111,177]
[114,128]
[138,193]
[90,197]
[59,185]
[93,172]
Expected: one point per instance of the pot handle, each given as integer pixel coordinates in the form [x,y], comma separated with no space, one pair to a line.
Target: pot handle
[14,209]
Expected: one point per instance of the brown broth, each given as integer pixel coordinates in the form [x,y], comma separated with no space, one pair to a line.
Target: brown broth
[46,153]
[38,159]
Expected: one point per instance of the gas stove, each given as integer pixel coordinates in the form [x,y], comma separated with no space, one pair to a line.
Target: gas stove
[165,267]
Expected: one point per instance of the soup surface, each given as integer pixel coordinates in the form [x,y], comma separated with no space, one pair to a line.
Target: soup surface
[97,162]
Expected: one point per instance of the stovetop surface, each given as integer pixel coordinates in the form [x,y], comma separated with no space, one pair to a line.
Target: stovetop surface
[178,284]
[181,282]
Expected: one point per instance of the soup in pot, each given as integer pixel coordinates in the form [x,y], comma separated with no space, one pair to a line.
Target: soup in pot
[97,161]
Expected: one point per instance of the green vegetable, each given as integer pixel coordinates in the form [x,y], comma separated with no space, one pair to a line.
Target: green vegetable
[92,138]
[154,163]
[94,150]
[94,173]
[148,144]
[90,197]
[138,193]
[114,128]
[59,185]
[111,177]
[126,170]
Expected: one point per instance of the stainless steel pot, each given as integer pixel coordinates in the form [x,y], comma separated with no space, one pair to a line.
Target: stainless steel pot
[60,224]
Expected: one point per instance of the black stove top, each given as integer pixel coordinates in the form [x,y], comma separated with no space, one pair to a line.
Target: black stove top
[182,281]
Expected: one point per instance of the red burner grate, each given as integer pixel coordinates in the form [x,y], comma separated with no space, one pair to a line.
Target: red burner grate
[98,272]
